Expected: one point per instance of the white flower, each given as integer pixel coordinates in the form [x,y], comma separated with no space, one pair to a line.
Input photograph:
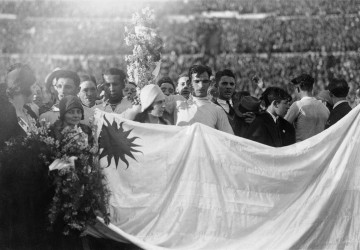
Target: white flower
[63,164]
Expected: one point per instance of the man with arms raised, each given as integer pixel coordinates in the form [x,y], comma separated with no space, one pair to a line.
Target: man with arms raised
[200,109]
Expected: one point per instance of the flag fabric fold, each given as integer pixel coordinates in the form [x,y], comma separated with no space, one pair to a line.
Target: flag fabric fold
[198,188]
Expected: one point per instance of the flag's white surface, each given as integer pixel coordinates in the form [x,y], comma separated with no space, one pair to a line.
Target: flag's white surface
[197,188]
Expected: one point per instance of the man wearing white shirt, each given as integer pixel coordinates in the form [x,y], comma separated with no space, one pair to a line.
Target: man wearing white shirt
[114,83]
[200,109]
[308,115]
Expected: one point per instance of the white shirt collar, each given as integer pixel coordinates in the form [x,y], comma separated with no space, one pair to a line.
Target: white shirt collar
[339,102]
[273,116]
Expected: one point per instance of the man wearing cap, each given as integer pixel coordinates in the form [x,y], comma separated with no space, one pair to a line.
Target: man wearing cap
[200,109]
[245,113]
[65,83]
[114,83]
[308,114]
[339,90]
[270,127]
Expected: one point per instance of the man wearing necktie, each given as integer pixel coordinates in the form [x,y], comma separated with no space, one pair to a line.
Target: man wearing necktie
[270,127]
[225,80]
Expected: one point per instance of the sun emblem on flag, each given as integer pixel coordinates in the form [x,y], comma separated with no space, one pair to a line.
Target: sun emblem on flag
[115,142]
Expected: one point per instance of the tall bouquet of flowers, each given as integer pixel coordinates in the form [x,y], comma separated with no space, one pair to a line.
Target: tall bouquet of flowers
[69,172]
[147,46]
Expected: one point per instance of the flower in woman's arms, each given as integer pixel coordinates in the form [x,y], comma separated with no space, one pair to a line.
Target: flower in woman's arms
[61,164]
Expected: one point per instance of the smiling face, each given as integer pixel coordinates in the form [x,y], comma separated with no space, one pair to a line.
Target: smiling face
[200,84]
[226,87]
[73,117]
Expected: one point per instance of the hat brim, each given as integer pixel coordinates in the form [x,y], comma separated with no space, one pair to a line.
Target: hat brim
[62,73]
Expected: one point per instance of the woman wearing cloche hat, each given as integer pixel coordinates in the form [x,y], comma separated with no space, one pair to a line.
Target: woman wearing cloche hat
[152,102]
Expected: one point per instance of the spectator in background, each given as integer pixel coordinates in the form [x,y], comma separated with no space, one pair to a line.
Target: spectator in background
[130,90]
[200,109]
[308,114]
[339,89]
[66,83]
[182,87]
[270,127]
[152,105]
[167,86]
[324,97]
[88,91]
[357,97]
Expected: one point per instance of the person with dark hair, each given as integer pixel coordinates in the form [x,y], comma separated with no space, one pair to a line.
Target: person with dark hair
[152,105]
[308,114]
[225,80]
[71,113]
[270,127]
[339,89]
[65,83]
[114,84]
[88,91]
[200,109]
[167,86]
[182,87]
[130,90]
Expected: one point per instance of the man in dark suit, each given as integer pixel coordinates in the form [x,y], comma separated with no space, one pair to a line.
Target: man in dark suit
[270,127]
[339,90]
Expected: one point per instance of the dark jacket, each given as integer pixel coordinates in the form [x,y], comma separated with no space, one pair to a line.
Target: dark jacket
[231,115]
[337,113]
[266,131]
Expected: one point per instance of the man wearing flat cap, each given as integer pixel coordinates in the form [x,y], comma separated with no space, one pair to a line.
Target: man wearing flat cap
[308,115]
[65,83]
[339,90]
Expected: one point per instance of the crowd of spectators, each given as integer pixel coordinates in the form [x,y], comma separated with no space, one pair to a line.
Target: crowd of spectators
[311,39]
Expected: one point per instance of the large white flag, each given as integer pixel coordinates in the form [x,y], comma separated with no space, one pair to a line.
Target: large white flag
[198,188]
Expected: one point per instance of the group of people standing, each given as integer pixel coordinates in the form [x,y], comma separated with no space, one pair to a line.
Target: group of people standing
[197,96]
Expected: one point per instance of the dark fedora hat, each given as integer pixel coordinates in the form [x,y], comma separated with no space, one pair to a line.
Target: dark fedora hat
[249,104]
[62,73]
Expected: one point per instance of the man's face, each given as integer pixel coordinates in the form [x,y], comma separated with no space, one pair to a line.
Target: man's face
[282,107]
[167,88]
[114,85]
[183,86]
[88,93]
[65,87]
[226,87]
[200,84]
[129,90]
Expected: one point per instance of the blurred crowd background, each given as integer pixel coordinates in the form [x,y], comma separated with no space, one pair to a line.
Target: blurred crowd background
[273,39]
